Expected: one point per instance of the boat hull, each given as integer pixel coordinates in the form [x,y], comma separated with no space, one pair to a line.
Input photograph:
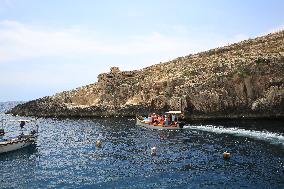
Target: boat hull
[140,123]
[11,145]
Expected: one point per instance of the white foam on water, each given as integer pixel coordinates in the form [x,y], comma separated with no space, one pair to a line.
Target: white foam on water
[274,138]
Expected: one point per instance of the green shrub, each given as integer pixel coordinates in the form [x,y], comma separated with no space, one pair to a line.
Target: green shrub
[261,61]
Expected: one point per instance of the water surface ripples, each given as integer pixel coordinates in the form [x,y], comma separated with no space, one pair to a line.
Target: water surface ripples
[66,156]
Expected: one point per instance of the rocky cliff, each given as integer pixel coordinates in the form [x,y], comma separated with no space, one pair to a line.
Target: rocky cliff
[245,79]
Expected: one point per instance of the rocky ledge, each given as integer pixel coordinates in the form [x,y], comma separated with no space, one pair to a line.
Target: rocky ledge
[242,80]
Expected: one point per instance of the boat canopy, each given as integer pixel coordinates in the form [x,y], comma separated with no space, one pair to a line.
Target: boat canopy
[23,120]
[173,112]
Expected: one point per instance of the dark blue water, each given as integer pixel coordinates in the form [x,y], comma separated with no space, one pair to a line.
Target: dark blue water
[66,156]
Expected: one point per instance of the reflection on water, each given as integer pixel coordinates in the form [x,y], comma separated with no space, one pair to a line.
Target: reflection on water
[66,156]
[20,154]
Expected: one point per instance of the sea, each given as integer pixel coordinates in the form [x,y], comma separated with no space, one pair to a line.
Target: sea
[66,156]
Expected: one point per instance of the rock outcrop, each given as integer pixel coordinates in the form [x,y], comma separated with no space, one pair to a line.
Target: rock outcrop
[245,79]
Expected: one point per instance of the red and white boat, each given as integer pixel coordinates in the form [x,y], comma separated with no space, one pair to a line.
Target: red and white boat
[172,125]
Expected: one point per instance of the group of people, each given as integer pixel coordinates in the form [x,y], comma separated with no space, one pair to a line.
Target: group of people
[162,120]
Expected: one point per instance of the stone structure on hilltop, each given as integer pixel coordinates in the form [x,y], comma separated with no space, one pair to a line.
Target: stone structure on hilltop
[241,80]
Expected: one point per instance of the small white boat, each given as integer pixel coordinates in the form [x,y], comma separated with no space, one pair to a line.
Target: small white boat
[20,141]
[16,143]
[140,121]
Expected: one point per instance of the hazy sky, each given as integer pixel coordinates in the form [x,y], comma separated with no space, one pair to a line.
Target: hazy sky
[55,45]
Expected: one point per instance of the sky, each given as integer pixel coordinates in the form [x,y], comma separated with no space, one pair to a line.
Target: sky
[56,45]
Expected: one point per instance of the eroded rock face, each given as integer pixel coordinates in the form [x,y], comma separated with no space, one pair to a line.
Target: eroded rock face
[241,80]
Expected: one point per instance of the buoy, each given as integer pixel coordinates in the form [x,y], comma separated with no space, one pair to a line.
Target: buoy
[188,166]
[98,143]
[226,155]
[153,151]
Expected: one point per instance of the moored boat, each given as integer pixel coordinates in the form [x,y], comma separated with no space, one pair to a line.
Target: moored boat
[162,124]
[16,143]
[20,141]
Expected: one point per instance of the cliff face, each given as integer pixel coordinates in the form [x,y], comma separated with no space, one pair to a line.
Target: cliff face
[245,79]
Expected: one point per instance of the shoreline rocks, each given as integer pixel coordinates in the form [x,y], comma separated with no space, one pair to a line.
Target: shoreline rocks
[242,80]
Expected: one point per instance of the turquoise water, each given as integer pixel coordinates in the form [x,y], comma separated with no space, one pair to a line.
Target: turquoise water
[66,156]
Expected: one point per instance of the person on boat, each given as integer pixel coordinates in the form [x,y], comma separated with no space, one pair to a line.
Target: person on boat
[173,118]
[182,116]
[22,124]
[163,119]
[33,132]
[175,122]
[150,118]
[159,119]
[21,135]
[169,120]
[166,120]
[2,132]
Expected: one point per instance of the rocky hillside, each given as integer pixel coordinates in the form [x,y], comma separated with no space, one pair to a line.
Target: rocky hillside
[245,79]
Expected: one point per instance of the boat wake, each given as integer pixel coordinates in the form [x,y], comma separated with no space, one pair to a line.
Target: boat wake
[273,138]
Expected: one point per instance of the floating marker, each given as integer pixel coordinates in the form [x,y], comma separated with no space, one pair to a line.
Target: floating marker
[153,151]
[98,143]
[226,155]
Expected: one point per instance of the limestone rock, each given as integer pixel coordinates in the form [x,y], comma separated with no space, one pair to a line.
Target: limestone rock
[240,80]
